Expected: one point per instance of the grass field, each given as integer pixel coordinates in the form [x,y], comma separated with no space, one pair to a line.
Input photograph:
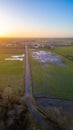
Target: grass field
[11,51]
[11,72]
[52,79]
[64,50]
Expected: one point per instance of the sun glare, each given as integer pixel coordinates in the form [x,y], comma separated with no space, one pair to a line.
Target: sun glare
[2,31]
[4,27]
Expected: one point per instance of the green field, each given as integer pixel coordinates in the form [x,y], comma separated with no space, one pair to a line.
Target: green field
[11,72]
[11,51]
[52,79]
[64,50]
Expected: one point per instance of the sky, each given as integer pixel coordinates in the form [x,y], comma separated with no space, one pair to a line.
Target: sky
[36,18]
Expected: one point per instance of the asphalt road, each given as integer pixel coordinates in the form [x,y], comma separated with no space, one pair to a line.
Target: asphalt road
[27,75]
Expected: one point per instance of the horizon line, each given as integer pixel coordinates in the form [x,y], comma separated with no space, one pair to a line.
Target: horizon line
[34,37]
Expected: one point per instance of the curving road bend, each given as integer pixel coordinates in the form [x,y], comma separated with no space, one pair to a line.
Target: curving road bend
[46,125]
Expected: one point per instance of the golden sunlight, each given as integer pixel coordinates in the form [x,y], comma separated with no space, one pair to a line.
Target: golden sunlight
[3,31]
[4,27]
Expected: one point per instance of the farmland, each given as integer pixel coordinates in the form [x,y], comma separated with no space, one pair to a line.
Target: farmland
[52,79]
[64,50]
[48,73]
[11,71]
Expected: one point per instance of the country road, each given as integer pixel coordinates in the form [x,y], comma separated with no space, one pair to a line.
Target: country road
[27,74]
[46,125]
